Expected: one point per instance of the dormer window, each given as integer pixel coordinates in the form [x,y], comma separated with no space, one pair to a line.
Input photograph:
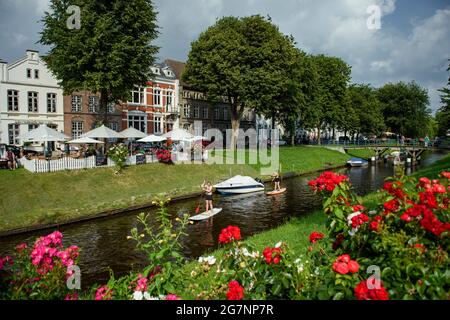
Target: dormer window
[156,71]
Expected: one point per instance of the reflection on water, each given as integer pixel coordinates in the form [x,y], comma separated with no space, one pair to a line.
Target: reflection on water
[103,242]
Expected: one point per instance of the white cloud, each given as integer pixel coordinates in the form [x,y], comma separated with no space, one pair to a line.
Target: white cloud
[415,52]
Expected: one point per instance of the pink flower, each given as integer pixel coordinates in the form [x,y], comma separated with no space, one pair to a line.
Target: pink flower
[172,297]
[103,293]
[141,283]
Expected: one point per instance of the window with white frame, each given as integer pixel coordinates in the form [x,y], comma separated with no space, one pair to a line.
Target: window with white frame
[77,103]
[205,112]
[93,104]
[187,111]
[13,133]
[13,100]
[28,73]
[157,97]
[32,126]
[77,129]
[32,101]
[169,99]
[217,113]
[36,73]
[51,102]
[157,125]
[225,113]
[137,95]
[111,107]
[196,111]
[138,121]
[114,126]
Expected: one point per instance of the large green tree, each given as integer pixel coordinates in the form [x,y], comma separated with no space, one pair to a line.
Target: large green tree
[369,115]
[443,114]
[405,108]
[328,105]
[109,54]
[246,62]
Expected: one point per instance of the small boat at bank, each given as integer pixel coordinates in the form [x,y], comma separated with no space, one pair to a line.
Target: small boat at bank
[276,192]
[357,162]
[239,185]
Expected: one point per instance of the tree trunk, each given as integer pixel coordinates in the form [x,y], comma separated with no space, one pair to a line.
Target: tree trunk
[104,99]
[318,136]
[235,124]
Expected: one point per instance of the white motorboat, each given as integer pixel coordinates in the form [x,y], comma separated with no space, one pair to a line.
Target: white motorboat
[239,185]
[357,162]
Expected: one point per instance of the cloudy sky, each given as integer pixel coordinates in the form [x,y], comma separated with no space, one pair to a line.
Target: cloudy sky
[412,44]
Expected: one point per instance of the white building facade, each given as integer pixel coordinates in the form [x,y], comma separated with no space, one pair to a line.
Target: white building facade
[29,96]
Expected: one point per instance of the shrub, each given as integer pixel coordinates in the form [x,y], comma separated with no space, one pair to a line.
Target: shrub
[405,238]
[118,154]
[40,272]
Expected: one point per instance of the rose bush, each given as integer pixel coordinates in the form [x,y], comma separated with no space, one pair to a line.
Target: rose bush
[118,154]
[406,238]
[164,156]
[39,272]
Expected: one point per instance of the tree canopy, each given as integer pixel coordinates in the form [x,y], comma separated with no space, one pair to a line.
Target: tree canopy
[109,54]
[327,106]
[443,114]
[248,63]
[369,116]
[405,108]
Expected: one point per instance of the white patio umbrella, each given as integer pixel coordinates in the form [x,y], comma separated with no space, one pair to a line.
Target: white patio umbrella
[104,133]
[153,138]
[43,134]
[132,133]
[178,135]
[85,140]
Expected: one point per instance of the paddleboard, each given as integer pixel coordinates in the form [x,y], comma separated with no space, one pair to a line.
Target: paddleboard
[206,215]
[275,192]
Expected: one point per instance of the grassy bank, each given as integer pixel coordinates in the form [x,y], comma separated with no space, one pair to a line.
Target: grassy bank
[296,232]
[33,199]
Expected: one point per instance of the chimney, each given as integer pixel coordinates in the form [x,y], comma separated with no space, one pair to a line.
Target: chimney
[3,70]
[32,54]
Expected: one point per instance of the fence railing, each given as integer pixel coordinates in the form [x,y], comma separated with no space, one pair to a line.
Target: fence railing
[68,163]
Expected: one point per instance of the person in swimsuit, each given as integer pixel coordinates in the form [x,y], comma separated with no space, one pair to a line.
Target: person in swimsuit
[208,190]
[276,179]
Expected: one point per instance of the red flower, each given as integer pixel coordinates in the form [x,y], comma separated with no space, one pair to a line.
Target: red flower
[235,291]
[327,181]
[445,174]
[272,255]
[392,206]
[229,235]
[359,220]
[353,266]
[344,265]
[374,226]
[313,237]
[362,292]
[432,224]
[358,208]
[427,198]
[438,188]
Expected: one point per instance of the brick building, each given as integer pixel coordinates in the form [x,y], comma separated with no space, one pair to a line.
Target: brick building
[194,106]
[154,109]
[81,114]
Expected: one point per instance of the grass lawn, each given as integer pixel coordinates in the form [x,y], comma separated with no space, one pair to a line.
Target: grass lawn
[296,232]
[361,153]
[32,199]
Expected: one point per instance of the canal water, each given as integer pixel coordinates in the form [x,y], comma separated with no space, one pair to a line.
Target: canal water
[103,242]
